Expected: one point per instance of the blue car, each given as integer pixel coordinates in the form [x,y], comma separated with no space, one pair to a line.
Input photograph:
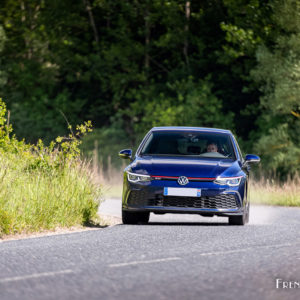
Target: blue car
[188,170]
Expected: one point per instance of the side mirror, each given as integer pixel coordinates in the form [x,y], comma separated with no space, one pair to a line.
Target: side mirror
[251,158]
[126,153]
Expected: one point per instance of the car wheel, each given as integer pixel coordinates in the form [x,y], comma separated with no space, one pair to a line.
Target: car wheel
[237,220]
[135,217]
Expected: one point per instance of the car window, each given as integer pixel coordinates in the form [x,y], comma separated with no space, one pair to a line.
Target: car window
[189,143]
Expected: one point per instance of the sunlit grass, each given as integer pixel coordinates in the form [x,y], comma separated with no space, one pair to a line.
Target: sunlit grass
[271,192]
[36,199]
[44,187]
[112,190]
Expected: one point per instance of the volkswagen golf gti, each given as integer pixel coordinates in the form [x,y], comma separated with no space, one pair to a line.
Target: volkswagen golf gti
[188,170]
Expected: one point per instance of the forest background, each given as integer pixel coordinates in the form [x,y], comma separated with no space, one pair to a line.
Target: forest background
[130,65]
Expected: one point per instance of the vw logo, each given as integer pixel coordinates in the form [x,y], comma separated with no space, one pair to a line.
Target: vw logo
[182,180]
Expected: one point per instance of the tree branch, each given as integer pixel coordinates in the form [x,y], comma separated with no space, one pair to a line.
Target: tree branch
[92,20]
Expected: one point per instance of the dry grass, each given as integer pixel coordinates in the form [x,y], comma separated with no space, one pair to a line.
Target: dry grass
[110,180]
[271,192]
[33,200]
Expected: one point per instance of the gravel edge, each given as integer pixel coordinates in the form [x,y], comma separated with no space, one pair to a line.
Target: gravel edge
[105,221]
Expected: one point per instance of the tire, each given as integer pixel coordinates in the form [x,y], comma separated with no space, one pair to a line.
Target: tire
[135,217]
[237,220]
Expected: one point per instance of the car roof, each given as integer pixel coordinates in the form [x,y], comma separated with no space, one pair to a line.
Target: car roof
[185,128]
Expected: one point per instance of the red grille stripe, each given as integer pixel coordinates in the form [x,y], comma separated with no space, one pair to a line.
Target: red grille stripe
[202,178]
[173,177]
[192,178]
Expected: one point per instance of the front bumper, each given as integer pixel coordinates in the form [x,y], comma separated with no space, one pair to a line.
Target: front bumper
[214,200]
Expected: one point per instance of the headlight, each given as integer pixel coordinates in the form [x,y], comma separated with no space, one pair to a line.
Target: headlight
[132,177]
[232,181]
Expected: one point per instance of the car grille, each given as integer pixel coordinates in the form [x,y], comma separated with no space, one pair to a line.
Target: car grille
[221,201]
[138,197]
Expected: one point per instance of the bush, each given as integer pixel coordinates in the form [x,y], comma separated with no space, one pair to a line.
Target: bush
[43,187]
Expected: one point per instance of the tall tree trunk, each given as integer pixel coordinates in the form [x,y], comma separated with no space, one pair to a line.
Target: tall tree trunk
[92,20]
[31,23]
[186,32]
[147,38]
[27,53]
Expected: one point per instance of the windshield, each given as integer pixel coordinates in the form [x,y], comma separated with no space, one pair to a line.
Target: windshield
[189,143]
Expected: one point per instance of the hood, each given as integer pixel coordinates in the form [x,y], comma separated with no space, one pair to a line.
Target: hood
[185,166]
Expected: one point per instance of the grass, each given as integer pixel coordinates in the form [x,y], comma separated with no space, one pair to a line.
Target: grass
[112,190]
[44,187]
[109,179]
[36,199]
[271,192]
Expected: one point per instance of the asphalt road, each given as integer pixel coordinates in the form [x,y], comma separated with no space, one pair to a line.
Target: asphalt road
[174,257]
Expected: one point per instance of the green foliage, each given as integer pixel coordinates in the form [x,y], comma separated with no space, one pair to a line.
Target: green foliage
[42,187]
[2,38]
[280,153]
[278,72]
[104,145]
[131,65]
[244,38]
[188,103]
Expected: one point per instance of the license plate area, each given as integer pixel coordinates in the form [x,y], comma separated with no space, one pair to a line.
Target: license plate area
[182,192]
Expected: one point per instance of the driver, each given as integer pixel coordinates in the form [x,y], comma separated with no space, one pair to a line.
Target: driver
[212,147]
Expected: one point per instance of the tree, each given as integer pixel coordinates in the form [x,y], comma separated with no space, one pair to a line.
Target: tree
[278,73]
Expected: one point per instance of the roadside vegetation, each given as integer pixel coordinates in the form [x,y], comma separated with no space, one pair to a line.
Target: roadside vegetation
[44,187]
[274,192]
[130,65]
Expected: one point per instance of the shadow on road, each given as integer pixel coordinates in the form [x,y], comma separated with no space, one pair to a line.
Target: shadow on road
[94,225]
[179,224]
